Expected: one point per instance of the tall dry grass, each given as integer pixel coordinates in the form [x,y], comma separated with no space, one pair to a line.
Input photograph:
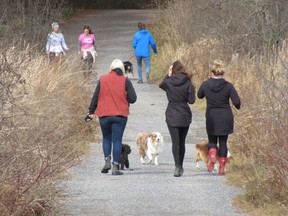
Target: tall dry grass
[41,128]
[198,32]
[262,125]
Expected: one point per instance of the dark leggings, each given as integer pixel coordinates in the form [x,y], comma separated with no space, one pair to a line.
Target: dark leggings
[213,140]
[178,137]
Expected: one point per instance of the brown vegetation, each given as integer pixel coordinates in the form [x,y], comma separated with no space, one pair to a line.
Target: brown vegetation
[42,129]
[42,106]
[31,20]
[124,4]
[250,36]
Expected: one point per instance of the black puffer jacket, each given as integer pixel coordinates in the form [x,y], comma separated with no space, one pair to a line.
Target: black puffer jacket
[219,116]
[180,91]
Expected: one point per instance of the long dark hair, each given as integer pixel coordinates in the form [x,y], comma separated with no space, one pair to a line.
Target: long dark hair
[88,28]
[178,68]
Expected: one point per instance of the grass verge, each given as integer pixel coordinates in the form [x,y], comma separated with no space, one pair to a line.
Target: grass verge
[42,129]
[259,143]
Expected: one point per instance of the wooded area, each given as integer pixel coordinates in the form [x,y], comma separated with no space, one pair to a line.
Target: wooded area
[251,38]
[125,4]
[26,20]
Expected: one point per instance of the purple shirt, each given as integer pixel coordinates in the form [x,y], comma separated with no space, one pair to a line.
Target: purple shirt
[87,41]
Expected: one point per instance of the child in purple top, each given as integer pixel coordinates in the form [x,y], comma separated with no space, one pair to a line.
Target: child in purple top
[86,43]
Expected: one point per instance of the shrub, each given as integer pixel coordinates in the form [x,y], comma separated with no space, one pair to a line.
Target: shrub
[41,127]
[250,38]
[31,20]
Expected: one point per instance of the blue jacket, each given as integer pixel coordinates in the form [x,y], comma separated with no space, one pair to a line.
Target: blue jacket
[142,42]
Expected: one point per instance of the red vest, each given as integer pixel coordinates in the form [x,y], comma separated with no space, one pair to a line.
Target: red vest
[112,100]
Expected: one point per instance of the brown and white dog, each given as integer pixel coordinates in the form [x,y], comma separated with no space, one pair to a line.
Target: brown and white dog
[149,144]
[203,155]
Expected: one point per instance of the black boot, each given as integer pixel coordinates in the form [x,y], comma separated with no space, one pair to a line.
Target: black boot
[115,169]
[107,165]
[178,171]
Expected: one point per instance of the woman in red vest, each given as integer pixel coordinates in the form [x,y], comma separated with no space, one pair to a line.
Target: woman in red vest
[111,100]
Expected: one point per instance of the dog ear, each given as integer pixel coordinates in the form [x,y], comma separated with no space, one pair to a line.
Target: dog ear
[129,151]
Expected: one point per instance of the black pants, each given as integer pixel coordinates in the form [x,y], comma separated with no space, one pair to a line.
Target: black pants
[213,140]
[178,136]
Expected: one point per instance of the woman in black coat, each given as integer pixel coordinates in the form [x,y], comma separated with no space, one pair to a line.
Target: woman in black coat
[219,116]
[180,92]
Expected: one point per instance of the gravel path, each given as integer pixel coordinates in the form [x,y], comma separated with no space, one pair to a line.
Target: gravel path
[147,189]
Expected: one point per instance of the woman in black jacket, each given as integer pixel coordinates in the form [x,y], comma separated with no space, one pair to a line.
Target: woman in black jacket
[219,116]
[180,91]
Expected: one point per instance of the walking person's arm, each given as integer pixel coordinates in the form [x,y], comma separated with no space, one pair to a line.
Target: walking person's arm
[94,45]
[94,42]
[63,43]
[48,44]
[94,101]
[163,84]
[79,45]
[152,43]
[134,42]
[200,93]
[131,94]
[191,94]
[235,97]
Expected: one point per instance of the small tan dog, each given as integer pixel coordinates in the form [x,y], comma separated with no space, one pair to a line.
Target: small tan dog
[203,155]
[149,144]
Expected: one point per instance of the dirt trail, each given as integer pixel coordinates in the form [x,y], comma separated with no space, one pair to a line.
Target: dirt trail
[148,189]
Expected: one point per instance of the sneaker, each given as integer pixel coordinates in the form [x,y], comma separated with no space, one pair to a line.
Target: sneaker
[140,81]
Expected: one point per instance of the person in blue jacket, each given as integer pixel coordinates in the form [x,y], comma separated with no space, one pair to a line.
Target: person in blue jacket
[141,44]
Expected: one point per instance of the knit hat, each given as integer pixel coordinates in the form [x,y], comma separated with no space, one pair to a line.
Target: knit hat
[117,63]
[55,25]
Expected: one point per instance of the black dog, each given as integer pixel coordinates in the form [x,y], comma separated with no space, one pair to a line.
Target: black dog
[124,161]
[128,67]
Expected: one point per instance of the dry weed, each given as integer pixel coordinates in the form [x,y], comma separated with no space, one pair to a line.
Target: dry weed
[42,129]
[259,73]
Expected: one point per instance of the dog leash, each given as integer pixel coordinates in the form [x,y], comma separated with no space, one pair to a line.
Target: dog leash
[131,57]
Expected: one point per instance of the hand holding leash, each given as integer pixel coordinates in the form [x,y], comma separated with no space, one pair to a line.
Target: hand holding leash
[89,118]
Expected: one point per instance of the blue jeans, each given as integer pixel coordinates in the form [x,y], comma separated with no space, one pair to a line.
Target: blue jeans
[112,128]
[139,66]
